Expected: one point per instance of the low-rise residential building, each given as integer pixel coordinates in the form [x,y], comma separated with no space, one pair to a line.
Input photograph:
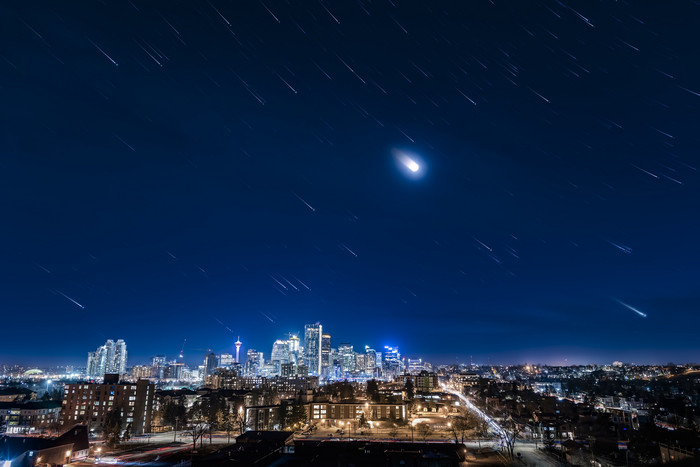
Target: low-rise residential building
[29,416]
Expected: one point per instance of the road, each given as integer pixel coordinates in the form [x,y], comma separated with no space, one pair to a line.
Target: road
[529,452]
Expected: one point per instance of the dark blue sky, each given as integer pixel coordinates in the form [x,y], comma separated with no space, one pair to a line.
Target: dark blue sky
[180,169]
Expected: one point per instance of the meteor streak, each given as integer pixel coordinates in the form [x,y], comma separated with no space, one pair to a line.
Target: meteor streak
[68,298]
[303,201]
[643,315]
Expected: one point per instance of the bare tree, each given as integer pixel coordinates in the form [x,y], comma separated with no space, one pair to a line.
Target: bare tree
[239,421]
[461,424]
[424,430]
[509,433]
[393,430]
[197,424]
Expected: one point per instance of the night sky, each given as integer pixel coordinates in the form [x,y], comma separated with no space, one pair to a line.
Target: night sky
[205,170]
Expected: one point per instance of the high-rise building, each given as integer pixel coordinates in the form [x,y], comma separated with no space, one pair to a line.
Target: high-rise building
[294,350]
[347,357]
[312,347]
[415,365]
[391,361]
[254,360]
[174,370]
[158,360]
[280,351]
[325,352]
[108,358]
[211,361]
[119,360]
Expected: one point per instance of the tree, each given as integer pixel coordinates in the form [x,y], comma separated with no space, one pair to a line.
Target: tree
[170,412]
[461,424]
[239,421]
[423,430]
[509,433]
[394,430]
[112,427]
[127,433]
[373,390]
[362,421]
[339,390]
[225,421]
[197,424]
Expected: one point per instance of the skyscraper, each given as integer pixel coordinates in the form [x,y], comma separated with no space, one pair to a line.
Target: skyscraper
[347,357]
[391,361]
[312,347]
[211,361]
[118,363]
[294,350]
[108,358]
[254,361]
[280,352]
[325,352]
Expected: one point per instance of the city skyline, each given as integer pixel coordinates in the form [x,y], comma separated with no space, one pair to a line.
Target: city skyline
[485,180]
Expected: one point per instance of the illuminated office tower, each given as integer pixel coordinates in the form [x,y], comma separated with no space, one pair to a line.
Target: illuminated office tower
[312,347]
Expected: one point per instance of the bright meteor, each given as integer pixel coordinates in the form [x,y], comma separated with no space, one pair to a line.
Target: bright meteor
[409,164]
[643,315]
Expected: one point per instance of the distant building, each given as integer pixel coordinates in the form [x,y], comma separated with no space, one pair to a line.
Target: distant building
[353,411]
[226,379]
[108,358]
[415,365]
[325,352]
[254,360]
[312,347]
[288,369]
[89,403]
[279,355]
[423,381]
[141,372]
[16,394]
[226,360]
[174,370]
[391,361]
[211,361]
[158,360]
[295,350]
[333,414]
[347,357]
[28,416]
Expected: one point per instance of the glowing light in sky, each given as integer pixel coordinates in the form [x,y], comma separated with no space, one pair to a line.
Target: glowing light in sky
[410,164]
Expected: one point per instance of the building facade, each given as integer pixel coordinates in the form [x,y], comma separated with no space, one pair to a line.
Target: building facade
[108,358]
[312,347]
[89,403]
[29,416]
